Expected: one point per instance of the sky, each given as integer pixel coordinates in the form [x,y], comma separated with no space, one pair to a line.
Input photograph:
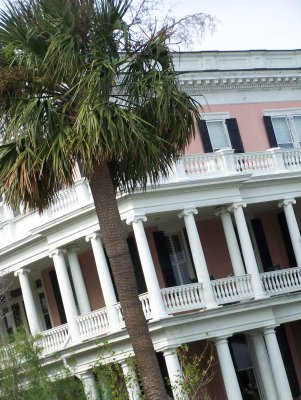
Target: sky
[247,24]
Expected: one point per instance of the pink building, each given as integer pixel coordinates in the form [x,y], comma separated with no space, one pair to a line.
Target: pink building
[216,247]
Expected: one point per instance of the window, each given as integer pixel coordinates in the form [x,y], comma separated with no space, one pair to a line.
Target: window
[218,134]
[218,131]
[284,128]
[179,260]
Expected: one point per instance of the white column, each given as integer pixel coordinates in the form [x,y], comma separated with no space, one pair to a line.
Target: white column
[232,243]
[78,281]
[66,292]
[131,381]
[89,385]
[263,362]
[175,374]
[105,280]
[280,377]
[29,302]
[292,225]
[151,280]
[247,250]
[227,368]
[198,256]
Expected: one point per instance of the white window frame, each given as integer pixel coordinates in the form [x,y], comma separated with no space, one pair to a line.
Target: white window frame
[289,114]
[218,117]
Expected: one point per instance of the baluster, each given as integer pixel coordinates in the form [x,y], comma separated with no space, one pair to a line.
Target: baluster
[286,282]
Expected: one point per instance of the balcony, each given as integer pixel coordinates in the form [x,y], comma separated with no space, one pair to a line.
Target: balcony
[16,226]
[178,299]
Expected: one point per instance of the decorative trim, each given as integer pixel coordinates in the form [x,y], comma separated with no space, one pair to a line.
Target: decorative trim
[22,271]
[57,252]
[187,212]
[286,202]
[136,218]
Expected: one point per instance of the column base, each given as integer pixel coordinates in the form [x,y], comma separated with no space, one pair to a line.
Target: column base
[261,296]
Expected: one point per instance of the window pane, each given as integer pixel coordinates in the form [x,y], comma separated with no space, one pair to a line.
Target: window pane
[217,135]
[282,132]
[297,123]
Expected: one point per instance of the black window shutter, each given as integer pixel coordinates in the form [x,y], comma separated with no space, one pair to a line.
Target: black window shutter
[57,295]
[287,240]
[164,259]
[234,135]
[141,285]
[205,136]
[262,244]
[270,131]
[190,254]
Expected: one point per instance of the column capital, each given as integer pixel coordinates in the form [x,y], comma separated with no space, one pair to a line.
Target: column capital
[287,201]
[170,351]
[221,339]
[235,206]
[57,252]
[93,235]
[136,218]
[188,211]
[221,210]
[22,271]
[269,330]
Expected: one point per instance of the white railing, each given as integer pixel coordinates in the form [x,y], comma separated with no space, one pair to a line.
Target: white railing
[67,199]
[282,281]
[183,298]
[232,289]
[202,164]
[120,315]
[249,162]
[54,339]
[146,307]
[93,323]
[292,158]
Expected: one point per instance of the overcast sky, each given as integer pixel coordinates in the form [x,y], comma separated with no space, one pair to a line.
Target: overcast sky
[247,24]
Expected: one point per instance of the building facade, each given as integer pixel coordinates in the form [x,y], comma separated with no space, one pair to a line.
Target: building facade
[216,246]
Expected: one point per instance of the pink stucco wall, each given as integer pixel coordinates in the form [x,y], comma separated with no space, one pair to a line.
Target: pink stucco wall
[274,239]
[91,280]
[250,122]
[215,248]
[152,246]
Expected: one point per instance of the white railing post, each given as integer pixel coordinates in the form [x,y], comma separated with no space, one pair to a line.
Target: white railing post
[277,157]
[227,161]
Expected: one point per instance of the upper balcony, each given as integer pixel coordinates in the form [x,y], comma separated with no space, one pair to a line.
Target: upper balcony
[210,169]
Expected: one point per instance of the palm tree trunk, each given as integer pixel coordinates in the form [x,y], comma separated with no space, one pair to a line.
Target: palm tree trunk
[113,237]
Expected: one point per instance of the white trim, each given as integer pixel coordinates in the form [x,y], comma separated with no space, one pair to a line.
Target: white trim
[283,112]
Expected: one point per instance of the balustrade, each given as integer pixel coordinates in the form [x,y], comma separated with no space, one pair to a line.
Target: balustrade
[292,158]
[249,162]
[183,298]
[232,289]
[93,323]
[202,164]
[282,281]
[54,339]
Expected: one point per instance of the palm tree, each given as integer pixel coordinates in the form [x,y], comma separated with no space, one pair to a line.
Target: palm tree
[77,86]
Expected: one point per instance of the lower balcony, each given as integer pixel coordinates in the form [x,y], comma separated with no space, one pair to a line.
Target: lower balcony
[178,299]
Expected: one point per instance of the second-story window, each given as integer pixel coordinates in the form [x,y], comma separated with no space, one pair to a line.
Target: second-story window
[218,131]
[284,128]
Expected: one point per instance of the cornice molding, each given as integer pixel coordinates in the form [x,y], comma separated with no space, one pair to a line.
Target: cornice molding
[199,83]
